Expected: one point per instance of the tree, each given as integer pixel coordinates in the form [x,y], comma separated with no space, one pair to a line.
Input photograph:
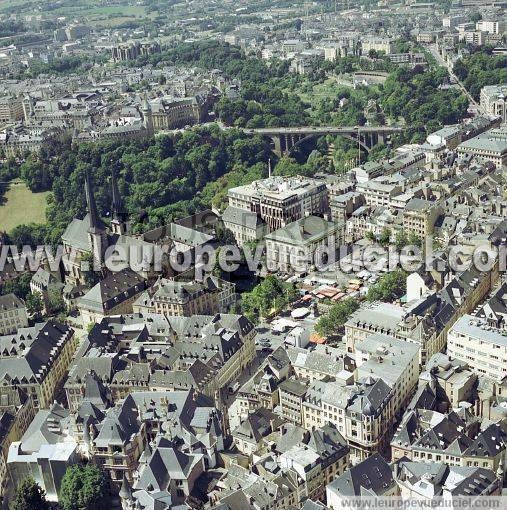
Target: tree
[224,235]
[90,276]
[34,304]
[56,303]
[269,297]
[385,236]
[370,235]
[19,286]
[414,239]
[29,496]
[401,239]
[331,324]
[84,488]
[390,286]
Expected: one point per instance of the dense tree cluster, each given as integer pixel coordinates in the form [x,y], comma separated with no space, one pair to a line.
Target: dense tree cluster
[29,496]
[263,99]
[161,179]
[84,488]
[19,286]
[11,27]
[420,97]
[481,68]
[331,323]
[268,298]
[390,286]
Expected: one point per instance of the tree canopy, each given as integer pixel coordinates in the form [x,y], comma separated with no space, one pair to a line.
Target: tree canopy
[268,297]
[84,488]
[29,496]
[481,68]
[389,287]
[331,323]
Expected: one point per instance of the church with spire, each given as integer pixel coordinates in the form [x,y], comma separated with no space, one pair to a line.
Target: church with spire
[90,237]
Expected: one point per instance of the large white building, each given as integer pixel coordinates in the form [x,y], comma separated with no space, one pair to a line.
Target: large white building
[493,100]
[482,346]
[269,204]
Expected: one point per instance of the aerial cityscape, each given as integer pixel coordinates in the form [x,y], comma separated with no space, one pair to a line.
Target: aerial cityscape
[253,254]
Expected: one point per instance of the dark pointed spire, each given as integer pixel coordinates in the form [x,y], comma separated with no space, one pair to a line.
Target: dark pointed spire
[96,224]
[117,205]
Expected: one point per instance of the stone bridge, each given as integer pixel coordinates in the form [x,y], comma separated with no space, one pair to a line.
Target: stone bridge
[285,139]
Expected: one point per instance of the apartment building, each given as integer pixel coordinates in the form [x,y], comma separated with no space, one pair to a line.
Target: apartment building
[44,451]
[13,423]
[455,382]
[378,44]
[35,359]
[378,193]
[11,109]
[420,216]
[291,396]
[124,52]
[490,26]
[364,420]
[395,361]
[13,314]
[488,146]
[482,346]
[379,317]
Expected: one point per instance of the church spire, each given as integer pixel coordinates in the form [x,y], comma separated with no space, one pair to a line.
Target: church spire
[96,224]
[119,223]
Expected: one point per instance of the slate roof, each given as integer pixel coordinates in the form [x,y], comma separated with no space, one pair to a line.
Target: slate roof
[166,464]
[76,234]
[241,217]
[113,290]
[490,442]
[28,355]
[10,302]
[304,231]
[371,477]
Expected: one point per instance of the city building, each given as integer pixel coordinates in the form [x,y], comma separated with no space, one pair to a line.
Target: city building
[13,314]
[113,295]
[45,451]
[124,52]
[420,216]
[370,478]
[479,344]
[11,109]
[302,244]
[492,100]
[36,360]
[489,146]
[186,298]
[276,201]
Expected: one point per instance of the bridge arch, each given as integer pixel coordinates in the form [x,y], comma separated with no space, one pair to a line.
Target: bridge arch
[286,138]
[349,136]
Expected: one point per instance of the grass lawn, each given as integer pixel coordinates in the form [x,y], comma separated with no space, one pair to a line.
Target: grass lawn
[104,15]
[20,205]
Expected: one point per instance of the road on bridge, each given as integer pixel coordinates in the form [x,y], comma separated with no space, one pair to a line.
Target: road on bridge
[324,130]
